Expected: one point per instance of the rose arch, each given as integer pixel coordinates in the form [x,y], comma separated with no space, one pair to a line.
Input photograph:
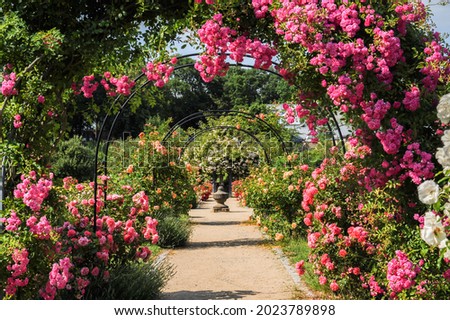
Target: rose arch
[159,74]
[376,212]
[379,66]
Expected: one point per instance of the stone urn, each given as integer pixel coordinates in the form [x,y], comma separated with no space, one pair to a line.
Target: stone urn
[220,196]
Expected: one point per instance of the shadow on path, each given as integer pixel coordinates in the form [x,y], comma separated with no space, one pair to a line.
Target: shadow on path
[208,295]
[217,223]
[230,243]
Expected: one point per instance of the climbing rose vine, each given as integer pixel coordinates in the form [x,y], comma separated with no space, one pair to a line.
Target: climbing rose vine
[359,61]
[380,69]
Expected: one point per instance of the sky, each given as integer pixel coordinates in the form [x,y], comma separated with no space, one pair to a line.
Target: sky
[441,15]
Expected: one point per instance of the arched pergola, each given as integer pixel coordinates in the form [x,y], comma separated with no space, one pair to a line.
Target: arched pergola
[201,132]
[137,89]
[218,113]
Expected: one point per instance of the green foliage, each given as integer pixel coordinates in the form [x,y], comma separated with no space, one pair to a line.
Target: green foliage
[52,44]
[275,193]
[297,250]
[187,93]
[74,158]
[133,281]
[234,143]
[174,231]
[154,168]
[244,87]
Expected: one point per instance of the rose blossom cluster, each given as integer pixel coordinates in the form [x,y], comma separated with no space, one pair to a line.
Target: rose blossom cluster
[17,121]
[33,194]
[114,86]
[309,192]
[17,269]
[401,273]
[292,20]
[219,40]
[130,233]
[409,13]
[289,114]
[211,66]
[59,278]
[40,228]
[150,231]
[8,85]
[261,7]
[159,73]
[436,64]
[89,86]
[416,164]
[412,99]
[374,112]
[140,200]
[374,287]
[391,140]
[12,223]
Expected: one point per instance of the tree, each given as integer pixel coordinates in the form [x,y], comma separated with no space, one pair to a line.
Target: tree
[46,46]
[243,87]
[187,93]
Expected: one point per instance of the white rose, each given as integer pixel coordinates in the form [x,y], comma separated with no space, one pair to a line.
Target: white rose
[443,244]
[443,156]
[447,253]
[428,192]
[433,230]
[446,138]
[443,109]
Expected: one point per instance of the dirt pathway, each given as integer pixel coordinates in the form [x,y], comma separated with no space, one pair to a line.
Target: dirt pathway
[228,258]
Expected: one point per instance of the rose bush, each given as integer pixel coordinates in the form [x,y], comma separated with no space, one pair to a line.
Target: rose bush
[377,64]
[365,241]
[169,184]
[51,249]
[274,193]
[381,67]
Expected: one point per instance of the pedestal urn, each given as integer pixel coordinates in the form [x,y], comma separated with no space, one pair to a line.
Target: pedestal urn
[220,196]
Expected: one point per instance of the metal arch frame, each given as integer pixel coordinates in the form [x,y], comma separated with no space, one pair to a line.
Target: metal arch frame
[217,113]
[125,103]
[204,130]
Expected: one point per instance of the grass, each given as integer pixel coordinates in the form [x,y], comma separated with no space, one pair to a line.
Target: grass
[296,250]
[155,249]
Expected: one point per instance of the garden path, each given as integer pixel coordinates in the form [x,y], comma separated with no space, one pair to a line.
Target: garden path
[227,257]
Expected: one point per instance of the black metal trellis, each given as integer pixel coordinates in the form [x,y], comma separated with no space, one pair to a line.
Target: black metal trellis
[218,113]
[194,136]
[135,91]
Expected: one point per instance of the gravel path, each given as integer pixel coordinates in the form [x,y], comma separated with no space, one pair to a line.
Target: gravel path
[228,258]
